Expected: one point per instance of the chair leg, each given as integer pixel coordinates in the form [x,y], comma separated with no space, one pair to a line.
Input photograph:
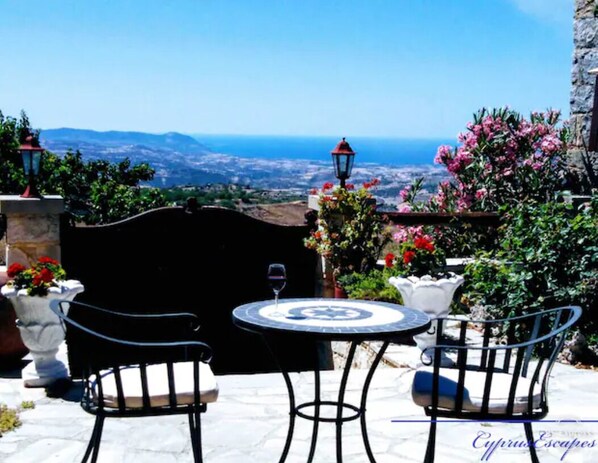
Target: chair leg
[94,441]
[429,458]
[195,432]
[529,434]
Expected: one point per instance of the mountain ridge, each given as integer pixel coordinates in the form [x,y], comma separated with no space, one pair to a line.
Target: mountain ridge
[174,141]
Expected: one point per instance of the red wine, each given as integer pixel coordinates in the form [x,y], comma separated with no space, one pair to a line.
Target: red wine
[277,283]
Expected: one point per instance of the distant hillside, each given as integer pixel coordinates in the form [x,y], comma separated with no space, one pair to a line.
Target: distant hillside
[172,155]
[169,141]
[264,163]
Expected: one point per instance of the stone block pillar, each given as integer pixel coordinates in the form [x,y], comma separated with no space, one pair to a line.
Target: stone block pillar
[32,228]
[583,164]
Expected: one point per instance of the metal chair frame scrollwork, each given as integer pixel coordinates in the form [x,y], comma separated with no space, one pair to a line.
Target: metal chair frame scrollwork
[533,342]
[168,355]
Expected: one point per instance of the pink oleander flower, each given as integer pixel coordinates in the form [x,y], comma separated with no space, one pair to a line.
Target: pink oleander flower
[481,193]
[404,207]
[443,154]
[551,144]
[404,193]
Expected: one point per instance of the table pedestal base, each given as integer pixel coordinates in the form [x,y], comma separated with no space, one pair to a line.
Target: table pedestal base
[358,411]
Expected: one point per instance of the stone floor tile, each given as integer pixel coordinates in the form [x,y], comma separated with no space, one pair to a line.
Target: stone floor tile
[48,451]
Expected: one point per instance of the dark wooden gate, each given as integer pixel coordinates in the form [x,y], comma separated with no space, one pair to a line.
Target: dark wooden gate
[208,262]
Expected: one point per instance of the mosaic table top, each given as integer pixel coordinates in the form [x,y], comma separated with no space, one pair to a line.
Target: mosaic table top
[332,318]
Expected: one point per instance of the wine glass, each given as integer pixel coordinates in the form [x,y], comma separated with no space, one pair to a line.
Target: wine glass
[277,278]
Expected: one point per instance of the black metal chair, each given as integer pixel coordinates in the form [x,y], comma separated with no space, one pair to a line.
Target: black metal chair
[505,381]
[146,378]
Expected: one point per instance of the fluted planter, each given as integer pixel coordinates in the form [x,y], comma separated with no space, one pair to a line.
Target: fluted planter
[432,296]
[41,331]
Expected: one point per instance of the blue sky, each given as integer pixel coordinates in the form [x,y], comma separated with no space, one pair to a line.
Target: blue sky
[393,68]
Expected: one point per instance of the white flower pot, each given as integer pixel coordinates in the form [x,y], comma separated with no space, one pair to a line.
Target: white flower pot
[41,331]
[432,296]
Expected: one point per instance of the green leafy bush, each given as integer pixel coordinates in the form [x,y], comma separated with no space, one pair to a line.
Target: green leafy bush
[350,233]
[372,286]
[548,257]
[95,191]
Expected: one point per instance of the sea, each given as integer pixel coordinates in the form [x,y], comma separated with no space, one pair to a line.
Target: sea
[392,151]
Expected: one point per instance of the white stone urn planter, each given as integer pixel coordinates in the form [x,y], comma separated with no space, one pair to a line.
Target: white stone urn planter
[432,296]
[41,331]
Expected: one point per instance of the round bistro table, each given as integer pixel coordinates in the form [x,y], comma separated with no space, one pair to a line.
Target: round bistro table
[325,320]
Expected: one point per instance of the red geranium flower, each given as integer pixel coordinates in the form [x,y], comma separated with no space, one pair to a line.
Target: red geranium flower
[327,186]
[47,260]
[313,191]
[389,259]
[372,183]
[46,275]
[350,186]
[37,280]
[408,256]
[424,243]
[14,270]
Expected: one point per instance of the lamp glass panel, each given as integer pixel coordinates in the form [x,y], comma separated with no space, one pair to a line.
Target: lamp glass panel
[350,159]
[31,161]
[335,163]
[37,156]
[27,161]
[341,170]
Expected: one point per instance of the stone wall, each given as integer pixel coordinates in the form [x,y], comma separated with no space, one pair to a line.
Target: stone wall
[583,164]
[32,228]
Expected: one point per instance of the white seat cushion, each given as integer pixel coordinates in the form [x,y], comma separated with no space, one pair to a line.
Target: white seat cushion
[157,380]
[473,392]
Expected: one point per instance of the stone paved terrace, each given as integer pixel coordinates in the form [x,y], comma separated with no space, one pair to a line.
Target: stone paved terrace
[248,424]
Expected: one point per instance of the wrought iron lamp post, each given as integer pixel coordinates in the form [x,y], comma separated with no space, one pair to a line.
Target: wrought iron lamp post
[32,154]
[342,159]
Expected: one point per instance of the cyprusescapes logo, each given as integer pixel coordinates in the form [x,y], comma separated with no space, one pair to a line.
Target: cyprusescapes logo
[489,443]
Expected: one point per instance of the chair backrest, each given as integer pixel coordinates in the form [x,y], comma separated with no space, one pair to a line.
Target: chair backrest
[528,348]
[124,353]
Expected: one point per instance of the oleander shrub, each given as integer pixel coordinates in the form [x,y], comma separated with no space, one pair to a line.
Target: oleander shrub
[502,159]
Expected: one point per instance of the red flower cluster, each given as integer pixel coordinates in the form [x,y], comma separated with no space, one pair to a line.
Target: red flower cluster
[38,278]
[408,256]
[47,260]
[389,260]
[424,243]
[417,254]
[327,186]
[44,276]
[14,270]
[372,183]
